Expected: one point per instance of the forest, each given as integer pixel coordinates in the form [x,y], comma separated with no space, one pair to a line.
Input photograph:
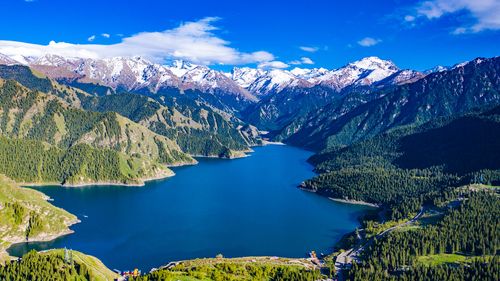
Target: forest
[36,162]
[469,233]
[232,271]
[408,166]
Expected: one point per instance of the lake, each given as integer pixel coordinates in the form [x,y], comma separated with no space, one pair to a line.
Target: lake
[242,207]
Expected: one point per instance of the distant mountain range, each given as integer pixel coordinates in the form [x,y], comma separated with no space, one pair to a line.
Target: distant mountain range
[314,108]
[136,73]
[358,116]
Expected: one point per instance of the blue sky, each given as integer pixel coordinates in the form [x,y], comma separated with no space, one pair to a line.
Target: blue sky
[413,34]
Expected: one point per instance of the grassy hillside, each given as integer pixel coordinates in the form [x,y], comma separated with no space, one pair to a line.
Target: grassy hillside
[58,266]
[37,162]
[242,269]
[25,214]
[198,129]
[97,270]
[33,115]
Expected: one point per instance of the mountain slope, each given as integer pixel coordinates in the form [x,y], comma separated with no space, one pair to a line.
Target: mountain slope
[303,92]
[139,75]
[199,129]
[25,214]
[410,161]
[445,93]
[33,115]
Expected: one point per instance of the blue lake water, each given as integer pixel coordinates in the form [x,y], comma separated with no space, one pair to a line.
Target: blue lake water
[242,207]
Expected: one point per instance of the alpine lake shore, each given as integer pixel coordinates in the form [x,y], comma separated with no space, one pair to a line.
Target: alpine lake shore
[308,263]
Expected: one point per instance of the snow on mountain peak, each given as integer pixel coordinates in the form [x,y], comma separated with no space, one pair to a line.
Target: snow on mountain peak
[137,72]
[180,67]
[373,63]
[7,60]
[245,76]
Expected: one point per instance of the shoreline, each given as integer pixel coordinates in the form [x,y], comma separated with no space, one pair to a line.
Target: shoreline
[142,182]
[69,231]
[267,142]
[354,202]
[40,238]
[344,201]
[239,154]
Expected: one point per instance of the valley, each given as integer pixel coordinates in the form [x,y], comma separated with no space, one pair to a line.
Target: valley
[415,144]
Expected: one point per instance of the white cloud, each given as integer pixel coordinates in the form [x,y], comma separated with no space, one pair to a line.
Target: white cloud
[409,18]
[106,35]
[306,60]
[273,64]
[459,30]
[303,60]
[91,38]
[368,42]
[192,41]
[309,49]
[486,13]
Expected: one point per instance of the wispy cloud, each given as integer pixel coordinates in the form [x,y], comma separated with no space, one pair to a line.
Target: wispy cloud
[368,42]
[485,13]
[273,64]
[193,41]
[303,60]
[409,18]
[106,35]
[91,38]
[309,49]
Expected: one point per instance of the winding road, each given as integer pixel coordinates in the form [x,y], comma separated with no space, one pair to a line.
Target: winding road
[345,259]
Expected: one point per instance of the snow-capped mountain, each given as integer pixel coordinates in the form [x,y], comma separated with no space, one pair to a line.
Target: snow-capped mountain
[180,67]
[438,68]
[359,73]
[208,80]
[400,77]
[364,72]
[245,76]
[137,73]
[6,60]
[124,73]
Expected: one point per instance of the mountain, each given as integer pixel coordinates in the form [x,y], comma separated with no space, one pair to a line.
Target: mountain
[307,91]
[199,129]
[347,120]
[20,206]
[234,92]
[359,73]
[276,111]
[364,72]
[7,60]
[437,68]
[34,115]
[56,264]
[262,83]
[57,142]
[137,74]
[445,152]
